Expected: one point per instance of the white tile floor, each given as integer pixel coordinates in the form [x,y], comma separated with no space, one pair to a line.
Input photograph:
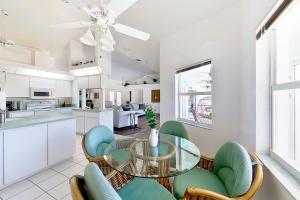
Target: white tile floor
[49,184]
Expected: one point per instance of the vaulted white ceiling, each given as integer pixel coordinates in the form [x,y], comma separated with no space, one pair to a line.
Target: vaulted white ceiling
[29,20]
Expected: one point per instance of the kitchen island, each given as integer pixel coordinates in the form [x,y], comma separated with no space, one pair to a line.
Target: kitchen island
[89,118]
[29,145]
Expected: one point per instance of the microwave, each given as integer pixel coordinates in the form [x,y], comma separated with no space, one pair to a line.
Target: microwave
[40,93]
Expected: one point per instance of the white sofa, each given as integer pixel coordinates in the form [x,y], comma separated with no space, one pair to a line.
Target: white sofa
[122,118]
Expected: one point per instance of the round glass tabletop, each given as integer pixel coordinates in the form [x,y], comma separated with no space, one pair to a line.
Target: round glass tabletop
[135,157]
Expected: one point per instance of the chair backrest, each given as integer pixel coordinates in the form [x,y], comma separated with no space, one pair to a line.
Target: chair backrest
[233,166]
[257,177]
[174,128]
[97,186]
[93,185]
[96,136]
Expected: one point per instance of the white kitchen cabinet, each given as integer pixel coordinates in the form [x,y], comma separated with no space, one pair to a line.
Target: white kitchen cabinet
[61,140]
[38,82]
[90,122]
[68,88]
[17,85]
[63,88]
[83,82]
[80,125]
[79,121]
[106,119]
[1,159]
[59,88]
[94,81]
[86,120]
[25,151]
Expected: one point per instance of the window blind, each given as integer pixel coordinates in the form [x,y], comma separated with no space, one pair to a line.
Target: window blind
[193,66]
[273,18]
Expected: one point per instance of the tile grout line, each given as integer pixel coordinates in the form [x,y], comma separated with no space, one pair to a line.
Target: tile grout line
[18,192]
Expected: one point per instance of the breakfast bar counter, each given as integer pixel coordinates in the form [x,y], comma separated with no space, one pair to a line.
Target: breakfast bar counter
[29,145]
[34,120]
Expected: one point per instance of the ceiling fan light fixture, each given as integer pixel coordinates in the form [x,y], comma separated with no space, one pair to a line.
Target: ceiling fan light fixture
[88,38]
[107,48]
[106,42]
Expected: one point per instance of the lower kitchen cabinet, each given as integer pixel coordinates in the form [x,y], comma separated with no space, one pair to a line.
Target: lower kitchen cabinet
[32,148]
[25,151]
[86,120]
[90,122]
[61,140]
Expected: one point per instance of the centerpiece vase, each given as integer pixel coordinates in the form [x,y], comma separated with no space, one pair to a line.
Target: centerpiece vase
[153,137]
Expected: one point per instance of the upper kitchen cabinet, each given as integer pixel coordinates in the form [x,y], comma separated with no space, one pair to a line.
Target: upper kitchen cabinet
[63,88]
[94,81]
[17,85]
[37,82]
[83,82]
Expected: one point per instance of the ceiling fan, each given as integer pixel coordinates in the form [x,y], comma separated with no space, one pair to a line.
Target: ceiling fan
[102,19]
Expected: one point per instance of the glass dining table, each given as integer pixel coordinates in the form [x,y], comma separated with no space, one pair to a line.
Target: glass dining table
[133,156]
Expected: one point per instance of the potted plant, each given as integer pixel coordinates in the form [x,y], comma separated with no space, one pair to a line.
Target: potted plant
[152,121]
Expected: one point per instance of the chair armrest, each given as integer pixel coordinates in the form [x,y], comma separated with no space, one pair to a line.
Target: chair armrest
[76,185]
[198,193]
[206,163]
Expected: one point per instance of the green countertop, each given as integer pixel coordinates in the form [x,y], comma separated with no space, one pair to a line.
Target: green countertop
[28,121]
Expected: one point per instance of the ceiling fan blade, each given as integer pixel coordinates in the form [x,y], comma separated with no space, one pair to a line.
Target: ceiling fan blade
[131,32]
[120,6]
[71,25]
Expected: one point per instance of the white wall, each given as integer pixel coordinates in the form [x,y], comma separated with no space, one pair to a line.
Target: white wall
[146,88]
[216,38]
[16,55]
[229,40]
[58,61]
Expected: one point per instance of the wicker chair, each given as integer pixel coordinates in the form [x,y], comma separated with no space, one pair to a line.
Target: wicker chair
[208,164]
[99,135]
[99,160]
[78,186]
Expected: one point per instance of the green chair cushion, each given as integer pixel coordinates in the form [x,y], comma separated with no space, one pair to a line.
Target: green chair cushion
[199,178]
[98,188]
[122,156]
[97,136]
[233,166]
[174,128]
[144,189]
[101,148]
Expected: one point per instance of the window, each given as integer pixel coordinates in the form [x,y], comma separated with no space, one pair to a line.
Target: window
[119,98]
[112,97]
[285,87]
[194,98]
[115,97]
